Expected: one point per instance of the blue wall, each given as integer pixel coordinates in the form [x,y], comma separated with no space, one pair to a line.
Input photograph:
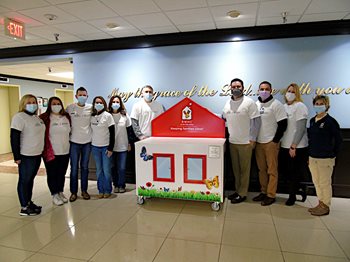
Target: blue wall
[321,61]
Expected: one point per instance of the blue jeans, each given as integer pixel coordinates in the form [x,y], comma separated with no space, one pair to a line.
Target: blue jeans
[82,152]
[119,168]
[27,170]
[103,169]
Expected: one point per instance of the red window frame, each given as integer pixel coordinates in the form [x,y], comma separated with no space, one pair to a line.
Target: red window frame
[172,167]
[204,169]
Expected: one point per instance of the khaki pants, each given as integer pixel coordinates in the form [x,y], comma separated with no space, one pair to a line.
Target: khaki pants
[321,172]
[241,156]
[267,161]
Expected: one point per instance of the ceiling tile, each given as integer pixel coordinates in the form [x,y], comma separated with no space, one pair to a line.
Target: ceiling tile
[196,27]
[246,10]
[235,23]
[168,5]
[77,28]
[190,16]
[120,32]
[88,10]
[149,20]
[102,23]
[230,2]
[4,9]
[94,36]
[277,20]
[20,4]
[21,18]
[132,7]
[275,8]
[160,30]
[48,32]
[57,2]
[38,14]
[325,6]
[322,17]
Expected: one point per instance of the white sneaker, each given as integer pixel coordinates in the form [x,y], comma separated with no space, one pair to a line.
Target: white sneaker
[63,197]
[57,200]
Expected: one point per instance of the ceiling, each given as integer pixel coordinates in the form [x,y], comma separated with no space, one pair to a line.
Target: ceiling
[81,20]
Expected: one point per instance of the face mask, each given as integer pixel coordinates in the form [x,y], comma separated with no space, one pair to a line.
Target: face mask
[99,107]
[82,100]
[31,108]
[115,106]
[56,108]
[264,95]
[290,97]
[236,92]
[320,109]
[148,97]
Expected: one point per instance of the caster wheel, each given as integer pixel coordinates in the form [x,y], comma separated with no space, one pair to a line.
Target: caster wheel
[140,200]
[215,206]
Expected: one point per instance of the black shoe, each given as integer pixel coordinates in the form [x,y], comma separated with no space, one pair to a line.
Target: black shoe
[268,201]
[238,199]
[232,196]
[34,207]
[73,197]
[291,201]
[303,193]
[27,211]
[260,197]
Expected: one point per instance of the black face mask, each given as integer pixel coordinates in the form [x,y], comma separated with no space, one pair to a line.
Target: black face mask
[236,92]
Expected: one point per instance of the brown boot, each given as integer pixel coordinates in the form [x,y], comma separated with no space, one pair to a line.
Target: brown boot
[322,210]
[314,208]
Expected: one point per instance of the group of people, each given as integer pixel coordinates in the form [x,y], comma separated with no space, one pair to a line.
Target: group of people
[275,131]
[61,135]
[282,143]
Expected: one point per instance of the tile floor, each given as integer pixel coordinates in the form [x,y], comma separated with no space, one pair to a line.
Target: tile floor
[117,229]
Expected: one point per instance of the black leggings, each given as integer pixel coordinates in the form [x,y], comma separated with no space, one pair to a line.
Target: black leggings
[56,170]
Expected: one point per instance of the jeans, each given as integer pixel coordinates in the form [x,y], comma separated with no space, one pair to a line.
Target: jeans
[103,169]
[56,171]
[27,170]
[82,152]
[119,168]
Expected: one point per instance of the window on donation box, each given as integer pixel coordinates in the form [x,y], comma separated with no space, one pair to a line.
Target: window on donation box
[163,167]
[195,169]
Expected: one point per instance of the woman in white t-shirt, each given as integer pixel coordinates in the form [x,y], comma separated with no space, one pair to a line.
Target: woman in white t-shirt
[27,142]
[103,136]
[56,149]
[121,145]
[294,144]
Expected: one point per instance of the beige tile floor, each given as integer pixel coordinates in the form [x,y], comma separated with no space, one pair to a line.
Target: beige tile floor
[117,229]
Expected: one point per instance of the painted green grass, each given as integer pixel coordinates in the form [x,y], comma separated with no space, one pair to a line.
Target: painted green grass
[179,195]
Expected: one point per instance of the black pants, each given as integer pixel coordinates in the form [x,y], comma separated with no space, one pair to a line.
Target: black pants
[294,169]
[56,170]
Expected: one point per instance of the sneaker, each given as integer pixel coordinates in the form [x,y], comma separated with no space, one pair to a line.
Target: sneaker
[321,210]
[63,197]
[73,197]
[35,207]
[238,199]
[116,190]
[107,195]
[27,211]
[122,190]
[268,201]
[232,196]
[85,195]
[57,200]
[100,195]
[260,197]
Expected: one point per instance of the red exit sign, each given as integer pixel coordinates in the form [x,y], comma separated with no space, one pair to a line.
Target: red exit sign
[14,29]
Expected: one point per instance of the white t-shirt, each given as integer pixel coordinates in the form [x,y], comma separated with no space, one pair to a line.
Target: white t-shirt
[238,114]
[80,117]
[99,126]
[295,112]
[59,134]
[32,136]
[145,113]
[121,135]
[271,113]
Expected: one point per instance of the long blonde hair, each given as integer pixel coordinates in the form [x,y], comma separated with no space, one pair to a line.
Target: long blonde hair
[298,97]
[24,100]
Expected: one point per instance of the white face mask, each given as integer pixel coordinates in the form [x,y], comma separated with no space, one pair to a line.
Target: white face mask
[290,97]
[56,108]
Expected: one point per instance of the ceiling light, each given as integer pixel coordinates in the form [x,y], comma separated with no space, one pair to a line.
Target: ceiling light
[68,75]
[112,25]
[50,17]
[233,13]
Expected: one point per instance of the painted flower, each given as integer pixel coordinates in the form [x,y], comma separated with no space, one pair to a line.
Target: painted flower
[148,184]
[208,193]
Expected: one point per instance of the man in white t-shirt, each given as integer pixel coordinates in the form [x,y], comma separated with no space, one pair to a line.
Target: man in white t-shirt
[80,143]
[243,123]
[273,125]
[143,112]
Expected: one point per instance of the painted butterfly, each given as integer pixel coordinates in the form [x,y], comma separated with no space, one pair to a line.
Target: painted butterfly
[212,183]
[144,155]
[166,189]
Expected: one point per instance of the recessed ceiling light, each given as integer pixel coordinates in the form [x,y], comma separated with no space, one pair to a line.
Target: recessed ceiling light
[68,75]
[50,17]
[233,13]
[112,25]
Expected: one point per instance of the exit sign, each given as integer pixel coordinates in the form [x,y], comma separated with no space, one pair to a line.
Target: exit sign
[14,29]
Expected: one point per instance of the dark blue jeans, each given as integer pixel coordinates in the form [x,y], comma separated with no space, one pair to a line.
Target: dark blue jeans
[27,170]
[103,169]
[79,152]
[119,168]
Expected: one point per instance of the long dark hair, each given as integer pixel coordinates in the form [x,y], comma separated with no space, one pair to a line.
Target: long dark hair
[121,109]
[45,116]
[94,111]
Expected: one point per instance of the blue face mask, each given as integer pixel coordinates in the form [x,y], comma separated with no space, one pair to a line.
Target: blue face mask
[99,107]
[148,97]
[115,106]
[31,108]
[320,109]
[82,100]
